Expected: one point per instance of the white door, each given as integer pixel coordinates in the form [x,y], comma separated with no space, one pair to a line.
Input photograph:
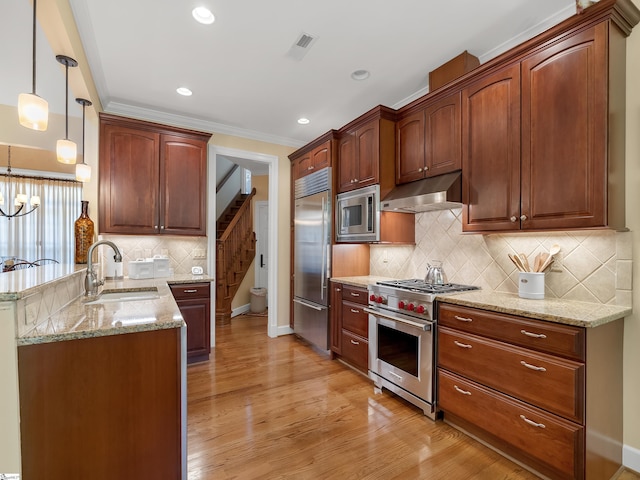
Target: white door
[262,243]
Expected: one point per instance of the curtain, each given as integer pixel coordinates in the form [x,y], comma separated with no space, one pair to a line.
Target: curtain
[49,231]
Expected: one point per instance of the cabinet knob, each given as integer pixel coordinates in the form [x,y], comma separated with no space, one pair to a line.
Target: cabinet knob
[420,169]
[355,180]
[161,227]
[310,167]
[426,168]
[338,289]
[523,217]
[155,226]
[513,219]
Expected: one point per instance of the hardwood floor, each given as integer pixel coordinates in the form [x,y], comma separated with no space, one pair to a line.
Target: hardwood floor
[266,408]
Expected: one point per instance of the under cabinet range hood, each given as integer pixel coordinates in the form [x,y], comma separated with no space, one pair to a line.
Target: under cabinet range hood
[441,192]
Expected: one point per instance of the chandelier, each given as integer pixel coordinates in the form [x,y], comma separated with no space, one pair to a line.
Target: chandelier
[20,200]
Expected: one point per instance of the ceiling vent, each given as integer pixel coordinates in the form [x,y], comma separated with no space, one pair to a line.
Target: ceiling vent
[301,46]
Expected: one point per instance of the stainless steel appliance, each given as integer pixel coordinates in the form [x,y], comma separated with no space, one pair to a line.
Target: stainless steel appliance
[312,257]
[402,338]
[358,215]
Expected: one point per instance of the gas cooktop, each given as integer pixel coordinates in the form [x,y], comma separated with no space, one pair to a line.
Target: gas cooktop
[417,285]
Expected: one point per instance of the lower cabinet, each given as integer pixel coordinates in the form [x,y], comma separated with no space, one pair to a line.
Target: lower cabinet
[193,300]
[350,325]
[523,386]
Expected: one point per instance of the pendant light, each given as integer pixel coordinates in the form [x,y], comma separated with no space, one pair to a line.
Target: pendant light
[66,149]
[20,199]
[83,171]
[33,111]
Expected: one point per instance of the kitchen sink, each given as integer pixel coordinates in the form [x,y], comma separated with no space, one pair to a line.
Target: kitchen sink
[126,296]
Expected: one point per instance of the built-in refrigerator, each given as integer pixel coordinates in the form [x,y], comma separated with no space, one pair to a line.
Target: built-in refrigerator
[312,257]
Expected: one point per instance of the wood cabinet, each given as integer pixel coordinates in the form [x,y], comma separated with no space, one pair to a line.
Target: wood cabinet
[366,154]
[153,178]
[102,408]
[350,325]
[193,300]
[428,141]
[528,388]
[313,157]
[535,138]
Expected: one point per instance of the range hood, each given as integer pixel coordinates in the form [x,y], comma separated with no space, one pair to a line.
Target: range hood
[435,193]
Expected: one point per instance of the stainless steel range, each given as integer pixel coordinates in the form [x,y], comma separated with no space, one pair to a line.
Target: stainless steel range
[402,338]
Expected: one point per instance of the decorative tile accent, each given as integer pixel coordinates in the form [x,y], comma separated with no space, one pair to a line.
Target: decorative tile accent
[592,266]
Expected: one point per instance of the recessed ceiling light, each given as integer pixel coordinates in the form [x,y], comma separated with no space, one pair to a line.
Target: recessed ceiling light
[184,91]
[203,15]
[303,121]
[360,75]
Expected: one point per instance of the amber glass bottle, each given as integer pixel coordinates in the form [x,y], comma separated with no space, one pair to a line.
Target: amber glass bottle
[84,233]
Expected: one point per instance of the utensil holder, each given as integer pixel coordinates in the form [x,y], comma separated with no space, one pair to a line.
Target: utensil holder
[531,285]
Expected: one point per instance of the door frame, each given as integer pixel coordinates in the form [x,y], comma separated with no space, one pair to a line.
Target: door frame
[272,162]
[259,205]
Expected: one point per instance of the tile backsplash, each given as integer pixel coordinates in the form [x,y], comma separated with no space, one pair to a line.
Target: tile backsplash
[592,266]
[183,252]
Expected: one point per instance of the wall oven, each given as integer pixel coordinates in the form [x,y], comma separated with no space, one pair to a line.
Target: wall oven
[402,339]
[358,215]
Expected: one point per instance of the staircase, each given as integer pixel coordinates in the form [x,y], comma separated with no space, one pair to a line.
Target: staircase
[236,249]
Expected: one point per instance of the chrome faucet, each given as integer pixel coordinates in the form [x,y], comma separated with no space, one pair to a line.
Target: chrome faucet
[91,282]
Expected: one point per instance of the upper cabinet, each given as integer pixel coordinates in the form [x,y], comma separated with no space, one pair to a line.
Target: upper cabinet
[366,151]
[543,133]
[313,157]
[153,178]
[428,141]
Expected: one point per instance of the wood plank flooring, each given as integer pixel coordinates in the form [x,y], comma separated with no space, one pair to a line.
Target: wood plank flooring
[266,408]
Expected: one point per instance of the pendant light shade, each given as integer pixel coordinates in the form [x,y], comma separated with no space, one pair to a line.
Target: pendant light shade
[83,171]
[66,149]
[33,111]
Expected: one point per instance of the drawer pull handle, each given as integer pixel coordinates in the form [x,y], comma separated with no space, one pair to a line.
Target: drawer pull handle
[532,367]
[355,294]
[462,345]
[353,310]
[338,290]
[463,319]
[355,343]
[459,390]
[532,423]
[190,291]
[534,335]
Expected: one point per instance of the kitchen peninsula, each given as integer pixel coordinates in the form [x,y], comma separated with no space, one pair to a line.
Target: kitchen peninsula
[90,370]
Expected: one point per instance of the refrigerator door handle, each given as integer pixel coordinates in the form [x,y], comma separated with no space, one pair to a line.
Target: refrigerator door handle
[308,305]
[323,285]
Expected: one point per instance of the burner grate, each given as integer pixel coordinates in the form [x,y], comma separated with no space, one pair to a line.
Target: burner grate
[417,285]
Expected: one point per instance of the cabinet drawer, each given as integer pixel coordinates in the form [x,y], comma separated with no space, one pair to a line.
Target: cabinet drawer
[355,349]
[355,294]
[190,290]
[355,319]
[550,440]
[546,337]
[553,383]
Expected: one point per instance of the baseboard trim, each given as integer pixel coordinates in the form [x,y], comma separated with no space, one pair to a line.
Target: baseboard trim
[240,310]
[284,330]
[631,458]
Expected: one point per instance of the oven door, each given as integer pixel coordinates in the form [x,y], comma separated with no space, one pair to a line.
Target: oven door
[401,353]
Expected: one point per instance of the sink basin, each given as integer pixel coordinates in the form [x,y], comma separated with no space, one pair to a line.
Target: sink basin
[126,296]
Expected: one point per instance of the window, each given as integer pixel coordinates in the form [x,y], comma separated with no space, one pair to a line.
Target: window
[49,231]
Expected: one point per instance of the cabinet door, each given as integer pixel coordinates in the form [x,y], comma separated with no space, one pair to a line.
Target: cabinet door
[443,140]
[129,180]
[410,155]
[183,179]
[302,166]
[347,162]
[368,154]
[564,133]
[197,317]
[491,152]
[321,156]
[336,318]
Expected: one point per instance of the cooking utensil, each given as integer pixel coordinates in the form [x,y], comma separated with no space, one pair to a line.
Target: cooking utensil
[513,260]
[552,251]
[525,262]
[435,273]
[516,260]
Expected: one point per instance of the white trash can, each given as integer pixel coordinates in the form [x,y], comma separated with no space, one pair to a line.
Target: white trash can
[258,300]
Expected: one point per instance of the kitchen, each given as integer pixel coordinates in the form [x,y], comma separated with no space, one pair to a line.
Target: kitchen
[463,270]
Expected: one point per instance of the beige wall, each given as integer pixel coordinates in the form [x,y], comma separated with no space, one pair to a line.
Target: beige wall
[632,174]
[283,205]
[243,295]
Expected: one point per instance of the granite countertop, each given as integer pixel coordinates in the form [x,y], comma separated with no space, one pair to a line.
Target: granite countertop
[81,319]
[22,283]
[580,314]
[360,281]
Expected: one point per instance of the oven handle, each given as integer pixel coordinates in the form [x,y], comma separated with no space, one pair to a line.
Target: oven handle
[422,326]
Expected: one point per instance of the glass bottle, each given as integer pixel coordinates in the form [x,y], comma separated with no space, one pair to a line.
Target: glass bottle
[84,233]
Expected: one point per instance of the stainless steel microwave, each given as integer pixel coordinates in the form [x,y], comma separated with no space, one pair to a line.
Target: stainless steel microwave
[358,215]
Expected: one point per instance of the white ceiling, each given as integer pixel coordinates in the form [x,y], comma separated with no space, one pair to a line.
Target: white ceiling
[243,81]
